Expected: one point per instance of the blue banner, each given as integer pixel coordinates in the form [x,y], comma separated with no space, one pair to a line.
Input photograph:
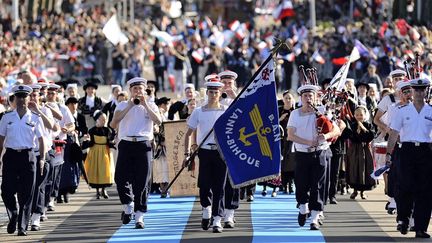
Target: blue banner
[248,132]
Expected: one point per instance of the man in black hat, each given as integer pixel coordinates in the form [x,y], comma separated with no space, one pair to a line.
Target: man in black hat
[152,88]
[88,104]
[364,99]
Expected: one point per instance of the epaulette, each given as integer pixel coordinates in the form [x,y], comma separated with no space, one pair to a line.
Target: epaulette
[35,113]
[402,106]
[6,112]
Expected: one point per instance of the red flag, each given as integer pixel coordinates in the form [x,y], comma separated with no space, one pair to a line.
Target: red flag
[339,61]
[198,56]
[403,26]
[383,29]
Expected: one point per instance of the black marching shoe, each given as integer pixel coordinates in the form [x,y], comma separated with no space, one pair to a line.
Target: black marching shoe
[139,225]
[35,228]
[66,198]
[205,224]
[314,226]
[12,225]
[290,189]
[387,205]
[333,200]
[22,232]
[59,199]
[105,194]
[126,218]
[301,219]
[320,220]
[391,211]
[217,229]
[403,228]
[229,225]
[422,234]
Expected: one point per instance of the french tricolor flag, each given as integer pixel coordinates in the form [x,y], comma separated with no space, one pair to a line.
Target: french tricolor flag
[363,50]
[234,25]
[198,55]
[239,29]
[285,9]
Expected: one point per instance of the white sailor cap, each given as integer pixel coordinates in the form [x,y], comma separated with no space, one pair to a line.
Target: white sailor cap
[189,86]
[136,81]
[227,74]
[401,85]
[35,86]
[21,89]
[42,81]
[116,86]
[74,86]
[53,86]
[213,82]
[419,83]
[398,72]
[308,88]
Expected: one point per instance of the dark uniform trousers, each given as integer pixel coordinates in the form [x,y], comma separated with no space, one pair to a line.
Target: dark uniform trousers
[249,190]
[336,161]
[211,180]
[310,177]
[38,202]
[56,180]
[327,183]
[392,179]
[18,177]
[133,173]
[415,184]
[52,183]
[232,196]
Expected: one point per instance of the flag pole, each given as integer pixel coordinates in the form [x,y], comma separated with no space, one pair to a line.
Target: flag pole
[280,44]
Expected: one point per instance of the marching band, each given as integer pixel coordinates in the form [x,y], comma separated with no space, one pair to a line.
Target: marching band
[34,132]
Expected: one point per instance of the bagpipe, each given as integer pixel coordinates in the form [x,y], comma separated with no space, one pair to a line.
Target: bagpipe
[414,70]
[335,103]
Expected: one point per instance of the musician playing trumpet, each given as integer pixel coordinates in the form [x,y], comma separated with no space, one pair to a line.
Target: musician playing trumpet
[312,155]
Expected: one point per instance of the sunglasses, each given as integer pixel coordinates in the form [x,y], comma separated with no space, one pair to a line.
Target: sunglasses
[21,95]
[407,91]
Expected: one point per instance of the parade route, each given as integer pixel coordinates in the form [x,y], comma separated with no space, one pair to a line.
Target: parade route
[267,219]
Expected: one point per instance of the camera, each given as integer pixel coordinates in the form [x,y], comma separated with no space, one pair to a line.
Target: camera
[136,101]
[224,95]
[148,91]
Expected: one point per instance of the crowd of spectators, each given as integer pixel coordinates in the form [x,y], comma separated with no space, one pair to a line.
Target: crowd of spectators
[72,45]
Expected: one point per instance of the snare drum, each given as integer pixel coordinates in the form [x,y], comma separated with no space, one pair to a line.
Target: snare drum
[380,148]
